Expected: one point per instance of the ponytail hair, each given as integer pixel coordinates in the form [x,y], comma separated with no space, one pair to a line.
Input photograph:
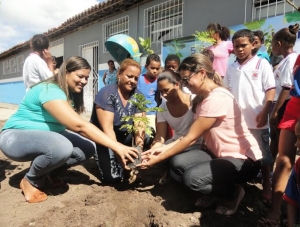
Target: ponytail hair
[287,35]
[223,32]
[194,63]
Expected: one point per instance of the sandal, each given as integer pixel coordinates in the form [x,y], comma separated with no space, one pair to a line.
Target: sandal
[266,222]
[225,210]
[205,201]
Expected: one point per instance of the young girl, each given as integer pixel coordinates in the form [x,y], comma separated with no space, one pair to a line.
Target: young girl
[222,48]
[109,76]
[147,84]
[178,115]
[282,43]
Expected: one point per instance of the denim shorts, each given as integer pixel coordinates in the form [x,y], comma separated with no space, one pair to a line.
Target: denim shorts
[262,137]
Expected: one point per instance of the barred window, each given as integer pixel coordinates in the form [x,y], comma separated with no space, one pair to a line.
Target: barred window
[118,26]
[163,21]
[269,8]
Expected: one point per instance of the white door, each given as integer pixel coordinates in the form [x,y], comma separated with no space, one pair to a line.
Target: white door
[88,91]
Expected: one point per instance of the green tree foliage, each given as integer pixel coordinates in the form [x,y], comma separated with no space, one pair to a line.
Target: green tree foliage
[146,45]
[255,25]
[177,46]
[140,122]
[268,34]
[205,38]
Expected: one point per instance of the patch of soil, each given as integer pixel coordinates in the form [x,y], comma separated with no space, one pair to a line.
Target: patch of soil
[88,202]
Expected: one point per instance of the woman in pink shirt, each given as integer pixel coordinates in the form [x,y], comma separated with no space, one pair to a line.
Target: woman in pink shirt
[222,47]
[231,155]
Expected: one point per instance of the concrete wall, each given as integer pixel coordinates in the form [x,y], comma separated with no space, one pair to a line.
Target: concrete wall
[197,14]
[12,92]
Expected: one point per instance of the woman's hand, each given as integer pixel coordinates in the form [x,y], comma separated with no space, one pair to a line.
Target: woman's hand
[154,151]
[148,161]
[150,158]
[126,154]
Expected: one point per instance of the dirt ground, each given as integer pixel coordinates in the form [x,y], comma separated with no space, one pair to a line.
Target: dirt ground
[87,202]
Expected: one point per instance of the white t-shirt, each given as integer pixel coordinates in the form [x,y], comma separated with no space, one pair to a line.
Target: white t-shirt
[248,83]
[180,125]
[35,70]
[284,73]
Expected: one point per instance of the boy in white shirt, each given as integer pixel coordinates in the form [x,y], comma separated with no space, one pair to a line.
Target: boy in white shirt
[251,81]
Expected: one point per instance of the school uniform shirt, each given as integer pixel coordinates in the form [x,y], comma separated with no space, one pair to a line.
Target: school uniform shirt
[248,83]
[148,89]
[284,74]
[263,54]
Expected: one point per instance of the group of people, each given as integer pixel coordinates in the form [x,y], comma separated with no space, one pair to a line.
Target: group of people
[213,135]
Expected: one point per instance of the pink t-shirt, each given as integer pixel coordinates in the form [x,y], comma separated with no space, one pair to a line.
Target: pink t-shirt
[221,52]
[229,136]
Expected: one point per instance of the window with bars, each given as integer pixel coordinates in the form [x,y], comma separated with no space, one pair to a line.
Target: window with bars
[269,8]
[118,26]
[163,21]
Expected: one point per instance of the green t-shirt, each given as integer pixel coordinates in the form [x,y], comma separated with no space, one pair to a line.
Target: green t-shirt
[31,113]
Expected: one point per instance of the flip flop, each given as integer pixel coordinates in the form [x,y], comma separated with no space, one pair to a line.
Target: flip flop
[221,209]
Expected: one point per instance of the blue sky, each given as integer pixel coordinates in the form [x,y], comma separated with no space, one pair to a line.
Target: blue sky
[21,19]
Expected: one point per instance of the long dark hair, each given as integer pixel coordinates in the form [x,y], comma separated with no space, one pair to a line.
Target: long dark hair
[287,35]
[223,32]
[70,65]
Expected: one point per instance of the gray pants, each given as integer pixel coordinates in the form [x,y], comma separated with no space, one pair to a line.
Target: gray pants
[48,151]
[202,172]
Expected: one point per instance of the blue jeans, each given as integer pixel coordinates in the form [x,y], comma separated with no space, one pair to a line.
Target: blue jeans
[262,137]
[48,151]
[202,172]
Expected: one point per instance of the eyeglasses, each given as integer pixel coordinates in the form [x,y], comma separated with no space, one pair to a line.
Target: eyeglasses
[185,80]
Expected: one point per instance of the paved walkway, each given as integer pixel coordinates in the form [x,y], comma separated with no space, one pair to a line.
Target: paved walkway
[6,110]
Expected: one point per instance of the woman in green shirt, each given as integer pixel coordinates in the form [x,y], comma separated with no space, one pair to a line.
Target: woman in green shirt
[37,131]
